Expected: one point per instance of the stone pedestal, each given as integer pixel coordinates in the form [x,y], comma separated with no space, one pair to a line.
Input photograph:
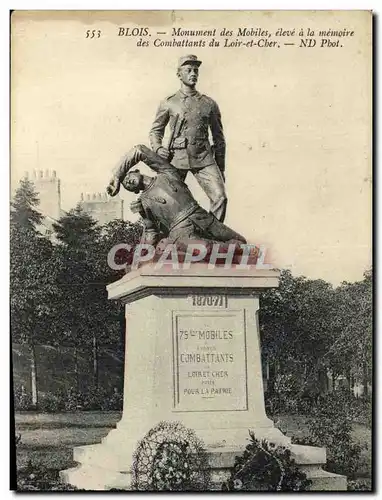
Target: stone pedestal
[192,355]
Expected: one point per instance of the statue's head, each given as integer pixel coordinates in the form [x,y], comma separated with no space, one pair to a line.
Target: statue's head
[188,70]
[133,181]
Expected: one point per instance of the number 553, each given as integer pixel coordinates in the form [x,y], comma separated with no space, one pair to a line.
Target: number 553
[93,34]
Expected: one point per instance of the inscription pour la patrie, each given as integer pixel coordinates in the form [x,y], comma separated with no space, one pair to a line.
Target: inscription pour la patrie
[210,357]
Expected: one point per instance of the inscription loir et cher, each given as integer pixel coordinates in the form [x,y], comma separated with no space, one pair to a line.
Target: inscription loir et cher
[230,38]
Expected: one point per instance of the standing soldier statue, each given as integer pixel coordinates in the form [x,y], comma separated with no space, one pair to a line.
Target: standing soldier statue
[190,115]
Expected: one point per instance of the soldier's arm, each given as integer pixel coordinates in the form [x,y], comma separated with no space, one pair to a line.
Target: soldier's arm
[158,127]
[218,136]
[119,172]
[134,156]
[151,234]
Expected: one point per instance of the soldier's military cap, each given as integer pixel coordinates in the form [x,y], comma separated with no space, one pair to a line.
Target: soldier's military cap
[190,59]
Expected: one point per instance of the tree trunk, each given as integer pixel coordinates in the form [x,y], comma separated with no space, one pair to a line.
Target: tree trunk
[352,383]
[322,380]
[365,379]
[95,362]
[348,378]
[271,377]
[77,385]
[33,375]
[333,382]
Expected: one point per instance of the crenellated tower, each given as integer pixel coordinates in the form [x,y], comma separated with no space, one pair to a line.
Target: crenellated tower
[102,207]
[48,186]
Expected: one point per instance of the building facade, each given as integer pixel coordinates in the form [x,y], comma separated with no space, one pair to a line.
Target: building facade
[102,207]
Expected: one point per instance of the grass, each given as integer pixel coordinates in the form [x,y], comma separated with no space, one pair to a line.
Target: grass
[33,420]
[47,440]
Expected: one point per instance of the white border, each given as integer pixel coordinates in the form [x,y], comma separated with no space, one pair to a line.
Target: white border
[4,152]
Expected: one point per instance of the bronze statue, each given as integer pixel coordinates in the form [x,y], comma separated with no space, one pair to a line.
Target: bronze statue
[190,115]
[166,204]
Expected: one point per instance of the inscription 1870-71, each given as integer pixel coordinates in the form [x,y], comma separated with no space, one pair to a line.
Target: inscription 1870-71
[209,361]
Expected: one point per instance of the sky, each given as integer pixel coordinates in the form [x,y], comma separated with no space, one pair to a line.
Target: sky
[297,122]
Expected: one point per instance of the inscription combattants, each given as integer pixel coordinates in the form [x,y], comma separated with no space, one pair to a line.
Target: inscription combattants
[210,362]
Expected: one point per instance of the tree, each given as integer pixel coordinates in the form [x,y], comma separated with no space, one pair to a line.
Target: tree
[309,328]
[31,278]
[114,233]
[351,352]
[24,213]
[295,329]
[78,280]
[85,315]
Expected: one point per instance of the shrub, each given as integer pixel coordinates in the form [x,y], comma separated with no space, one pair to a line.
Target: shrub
[362,412]
[22,399]
[360,485]
[70,400]
[266,467]
[39,478]
[287,396]
[331,427]
[50,403]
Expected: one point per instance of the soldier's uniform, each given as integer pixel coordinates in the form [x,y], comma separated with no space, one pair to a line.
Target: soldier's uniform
[192,115]
[167,205]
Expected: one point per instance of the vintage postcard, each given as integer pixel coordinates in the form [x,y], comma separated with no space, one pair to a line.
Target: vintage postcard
[191,261]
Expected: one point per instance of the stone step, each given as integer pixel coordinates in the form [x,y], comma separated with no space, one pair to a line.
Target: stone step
[110,464]
[308,454]
[323,480]
[95,478]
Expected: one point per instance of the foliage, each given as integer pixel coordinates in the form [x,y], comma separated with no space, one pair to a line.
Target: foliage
[80,286]
[39,478]
[331,427]
[96,398]
[32,284]
[352,326]
[22,399]
[286,396]
[114,233]
[71,400]
[362,411]
[310,329]
[360,485]
[295,329]
[58,285]
[170,458]
[24,213]
[266,467]
[31,279]
[85,314]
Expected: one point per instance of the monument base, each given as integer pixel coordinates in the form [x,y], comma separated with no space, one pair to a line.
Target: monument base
[192,356]
[98,469]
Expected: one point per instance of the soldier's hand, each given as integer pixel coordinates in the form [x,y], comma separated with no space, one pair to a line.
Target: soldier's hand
[113,187]
[164,153]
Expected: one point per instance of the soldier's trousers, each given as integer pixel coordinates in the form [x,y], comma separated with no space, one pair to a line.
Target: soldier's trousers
[210,179]
[201,225]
